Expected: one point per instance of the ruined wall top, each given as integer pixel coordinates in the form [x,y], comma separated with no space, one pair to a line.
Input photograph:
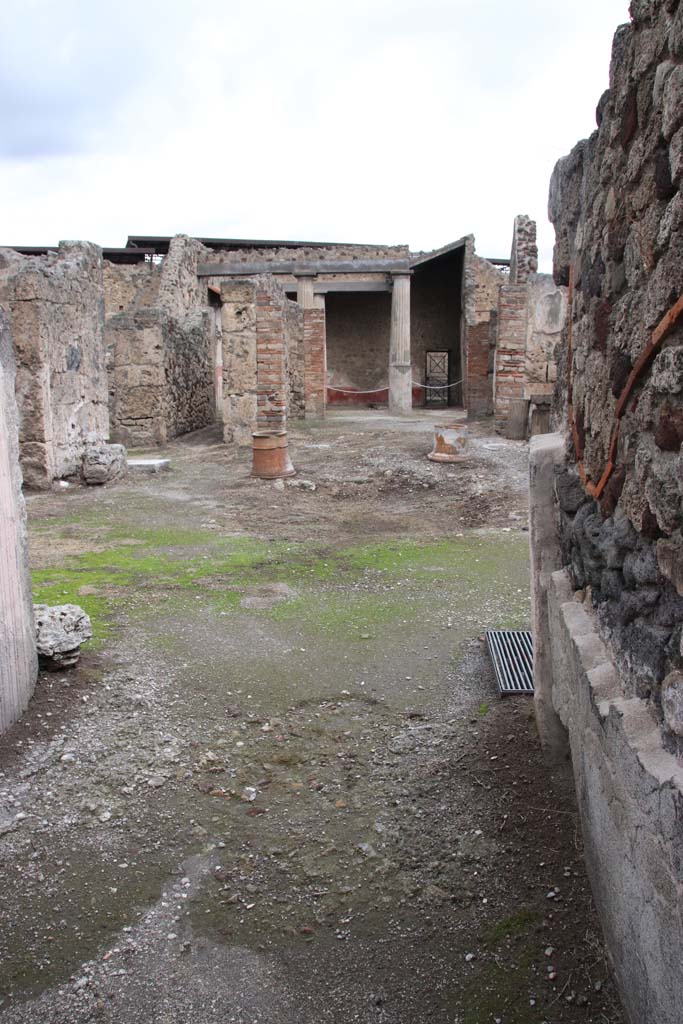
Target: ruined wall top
[524,251]
[306,253]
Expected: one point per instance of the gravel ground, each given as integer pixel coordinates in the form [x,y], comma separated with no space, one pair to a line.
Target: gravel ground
[280,785]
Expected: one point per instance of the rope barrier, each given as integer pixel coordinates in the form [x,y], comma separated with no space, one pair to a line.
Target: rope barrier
[376,391]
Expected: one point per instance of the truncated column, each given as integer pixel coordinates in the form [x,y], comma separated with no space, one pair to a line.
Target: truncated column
[400,367]
[271,361]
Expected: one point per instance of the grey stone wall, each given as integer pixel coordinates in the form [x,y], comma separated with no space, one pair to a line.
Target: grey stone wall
[614,605]
[629,786]
[18,658]
[161,348]
[55,303]
[618,214]
[127,287]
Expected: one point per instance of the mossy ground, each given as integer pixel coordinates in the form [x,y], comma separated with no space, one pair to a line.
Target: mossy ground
[399,805]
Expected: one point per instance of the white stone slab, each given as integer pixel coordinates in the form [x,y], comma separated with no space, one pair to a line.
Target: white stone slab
[148,465]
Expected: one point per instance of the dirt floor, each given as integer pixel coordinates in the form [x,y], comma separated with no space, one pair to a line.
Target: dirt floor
[280,786]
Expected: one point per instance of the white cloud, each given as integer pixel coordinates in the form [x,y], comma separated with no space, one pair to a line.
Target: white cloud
[368,120]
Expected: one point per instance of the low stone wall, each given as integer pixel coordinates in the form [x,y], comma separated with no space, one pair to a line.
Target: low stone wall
[629,785]
[18,658]
[630,793]
[55,304]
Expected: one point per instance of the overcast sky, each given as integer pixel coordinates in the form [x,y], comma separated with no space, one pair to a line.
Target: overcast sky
[387,121]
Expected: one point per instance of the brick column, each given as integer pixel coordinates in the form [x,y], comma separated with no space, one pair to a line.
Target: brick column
[510,371]
[315,363]
[271,361]
[400,366]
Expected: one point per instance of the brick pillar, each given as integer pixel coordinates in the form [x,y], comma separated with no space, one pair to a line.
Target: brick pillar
[400,366]
[510,370]
[479,396]
[315,363]
[271,361]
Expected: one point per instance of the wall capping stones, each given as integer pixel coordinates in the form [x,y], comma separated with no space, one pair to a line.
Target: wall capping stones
[630,793]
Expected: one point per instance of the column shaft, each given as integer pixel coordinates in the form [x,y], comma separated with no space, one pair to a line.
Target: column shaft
[400,368]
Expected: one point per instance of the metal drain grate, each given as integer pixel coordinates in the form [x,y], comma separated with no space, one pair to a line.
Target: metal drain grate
[512,655]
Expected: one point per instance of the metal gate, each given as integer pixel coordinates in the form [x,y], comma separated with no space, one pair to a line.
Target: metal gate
[437,376]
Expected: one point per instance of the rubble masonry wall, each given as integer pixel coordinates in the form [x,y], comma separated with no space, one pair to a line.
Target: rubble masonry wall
[486,282]
[618,212]
[161,347]
[608,620]
[56,311]
[304,254]
[18,659]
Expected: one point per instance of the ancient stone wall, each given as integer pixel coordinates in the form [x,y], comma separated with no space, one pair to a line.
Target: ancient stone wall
[487,281]
[524,251]
[618,212]
[127,287]
[188,348]
[18,659]
[546,320]
[55,303]
[615,604]
[303,254]
[137,384]
[161,348]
